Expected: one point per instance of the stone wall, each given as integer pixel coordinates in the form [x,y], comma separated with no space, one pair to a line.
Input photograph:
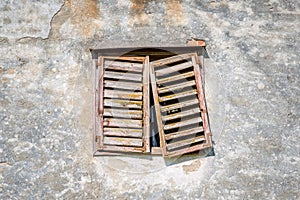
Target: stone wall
[252,89]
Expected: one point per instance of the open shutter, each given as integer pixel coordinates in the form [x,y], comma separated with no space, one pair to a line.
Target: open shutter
[122,104]
[179,104]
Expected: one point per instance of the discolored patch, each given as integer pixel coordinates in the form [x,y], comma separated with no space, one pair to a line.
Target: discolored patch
[174,12]
[194,166]
[137,13]
[81,14]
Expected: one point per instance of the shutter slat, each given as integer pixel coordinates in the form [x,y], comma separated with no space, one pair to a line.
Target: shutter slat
[120,113]
[178,95]
[123,141]
[181,114]
[124,66]
[123,132]
[176,87]
[179,105]
[123,103]
[123,76]
[182,123]
[126,123]
[111,148]
[170,60]
[183,133]
[172,69]
[185,142]
[123,85]
[123,94]
[175,78]
[186,150]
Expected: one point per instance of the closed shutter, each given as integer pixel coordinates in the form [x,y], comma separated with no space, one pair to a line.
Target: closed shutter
[179,104]
[122,104]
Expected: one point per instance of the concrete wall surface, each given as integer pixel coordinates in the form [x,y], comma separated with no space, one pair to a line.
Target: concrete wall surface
[252,89]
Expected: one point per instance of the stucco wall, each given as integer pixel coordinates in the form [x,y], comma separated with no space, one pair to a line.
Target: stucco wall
[252,88]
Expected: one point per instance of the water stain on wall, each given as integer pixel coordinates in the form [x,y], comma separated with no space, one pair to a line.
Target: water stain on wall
[175,12]
[173,8]
[137,13]
[82,16]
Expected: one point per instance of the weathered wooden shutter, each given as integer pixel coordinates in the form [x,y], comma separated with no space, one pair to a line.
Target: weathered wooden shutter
[122,104]
[179,104]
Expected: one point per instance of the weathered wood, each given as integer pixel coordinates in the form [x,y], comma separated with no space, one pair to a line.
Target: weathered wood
[123,94]
[146,105]
[183,133]
[158,111]
[175,87]
[186,150]
[185,142]
[97,124]
[182,90]
[121,103]
[126,58]
[123,85]
[123,132]
[171,59]
[123,141]
[123,76]
[178,95]
[172,69]
[183,123]
[181,114]
[126,123]
[175,78]
[123,66]
[179,105]
[122,113]
[201,98]
[123,149]
[100,100]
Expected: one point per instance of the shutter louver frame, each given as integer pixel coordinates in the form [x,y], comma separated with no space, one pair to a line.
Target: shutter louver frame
[122,105]
[188,130]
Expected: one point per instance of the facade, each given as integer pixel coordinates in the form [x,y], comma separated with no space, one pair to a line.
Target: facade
[46,99]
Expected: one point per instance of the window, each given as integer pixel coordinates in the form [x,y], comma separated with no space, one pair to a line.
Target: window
[150,101]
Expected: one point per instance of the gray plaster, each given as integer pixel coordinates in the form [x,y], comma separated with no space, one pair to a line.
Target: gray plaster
[252,88]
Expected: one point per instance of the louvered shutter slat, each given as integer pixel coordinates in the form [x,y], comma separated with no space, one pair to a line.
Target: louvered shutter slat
[178,95]
[181,114]
[121,103]
[123,76]
[191,131]
[119,94]
[124,132]
[124,85]
[175,78]
[175,87]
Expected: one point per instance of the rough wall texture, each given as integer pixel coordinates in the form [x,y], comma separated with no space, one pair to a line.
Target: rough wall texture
[252,86]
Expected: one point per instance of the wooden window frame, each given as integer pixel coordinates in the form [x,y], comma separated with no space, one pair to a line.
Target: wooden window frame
[197,52]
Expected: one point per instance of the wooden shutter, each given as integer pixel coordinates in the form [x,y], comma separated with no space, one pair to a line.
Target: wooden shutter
[179,104]
[122,104]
